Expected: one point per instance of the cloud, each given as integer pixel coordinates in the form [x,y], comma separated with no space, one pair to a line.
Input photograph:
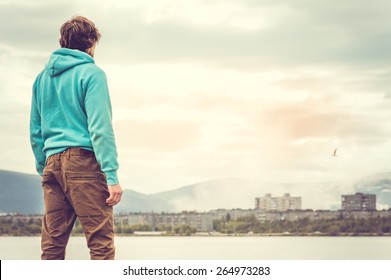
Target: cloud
[32,25]
[297,33]
[387,95]
[158,135]
[205,89]
[238,34]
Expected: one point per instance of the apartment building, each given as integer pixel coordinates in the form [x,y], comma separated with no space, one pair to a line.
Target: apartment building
[359,202]
[283,203]
[199,221]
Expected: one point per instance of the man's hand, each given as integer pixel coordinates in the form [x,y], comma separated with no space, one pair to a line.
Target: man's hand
[115,195]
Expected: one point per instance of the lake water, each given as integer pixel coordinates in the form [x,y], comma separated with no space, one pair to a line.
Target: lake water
[215,248]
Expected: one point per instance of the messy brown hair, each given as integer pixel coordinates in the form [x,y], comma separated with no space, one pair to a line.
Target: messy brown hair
[79,33]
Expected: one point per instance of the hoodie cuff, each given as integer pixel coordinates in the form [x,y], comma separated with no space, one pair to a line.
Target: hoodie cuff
[111,178]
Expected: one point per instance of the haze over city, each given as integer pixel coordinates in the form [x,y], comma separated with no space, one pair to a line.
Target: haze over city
[202,90]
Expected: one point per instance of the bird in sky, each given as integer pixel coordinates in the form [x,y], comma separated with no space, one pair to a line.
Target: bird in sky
[335,152]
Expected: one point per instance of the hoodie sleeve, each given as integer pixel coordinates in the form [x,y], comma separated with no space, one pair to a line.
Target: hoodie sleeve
[99,117]
[36,140]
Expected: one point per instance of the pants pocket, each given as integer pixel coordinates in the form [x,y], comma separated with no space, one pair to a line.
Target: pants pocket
[88,191]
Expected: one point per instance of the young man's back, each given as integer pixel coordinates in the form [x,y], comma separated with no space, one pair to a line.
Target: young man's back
[73,142]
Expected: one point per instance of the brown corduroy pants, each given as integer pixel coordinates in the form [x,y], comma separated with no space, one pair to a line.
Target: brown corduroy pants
[75,187]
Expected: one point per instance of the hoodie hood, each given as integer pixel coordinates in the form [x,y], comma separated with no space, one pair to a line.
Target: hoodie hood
[64,59]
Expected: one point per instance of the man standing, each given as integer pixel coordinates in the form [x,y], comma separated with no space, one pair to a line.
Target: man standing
[72,138]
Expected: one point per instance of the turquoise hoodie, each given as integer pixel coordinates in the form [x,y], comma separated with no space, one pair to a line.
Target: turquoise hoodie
[71,108]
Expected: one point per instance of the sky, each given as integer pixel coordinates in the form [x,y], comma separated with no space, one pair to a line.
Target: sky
[203,90]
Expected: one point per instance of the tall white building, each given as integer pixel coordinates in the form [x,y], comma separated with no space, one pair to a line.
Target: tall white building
[282,203]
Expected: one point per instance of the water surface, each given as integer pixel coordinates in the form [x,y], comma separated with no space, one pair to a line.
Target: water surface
[215,248]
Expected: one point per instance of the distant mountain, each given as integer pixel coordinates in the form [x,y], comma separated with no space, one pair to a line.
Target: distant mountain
[137,202]
[221,193]
[22,193]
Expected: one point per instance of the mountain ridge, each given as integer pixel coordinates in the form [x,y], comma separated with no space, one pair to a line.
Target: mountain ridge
[21,193]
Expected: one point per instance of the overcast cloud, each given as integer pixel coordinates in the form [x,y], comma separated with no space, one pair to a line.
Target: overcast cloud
[213,89]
